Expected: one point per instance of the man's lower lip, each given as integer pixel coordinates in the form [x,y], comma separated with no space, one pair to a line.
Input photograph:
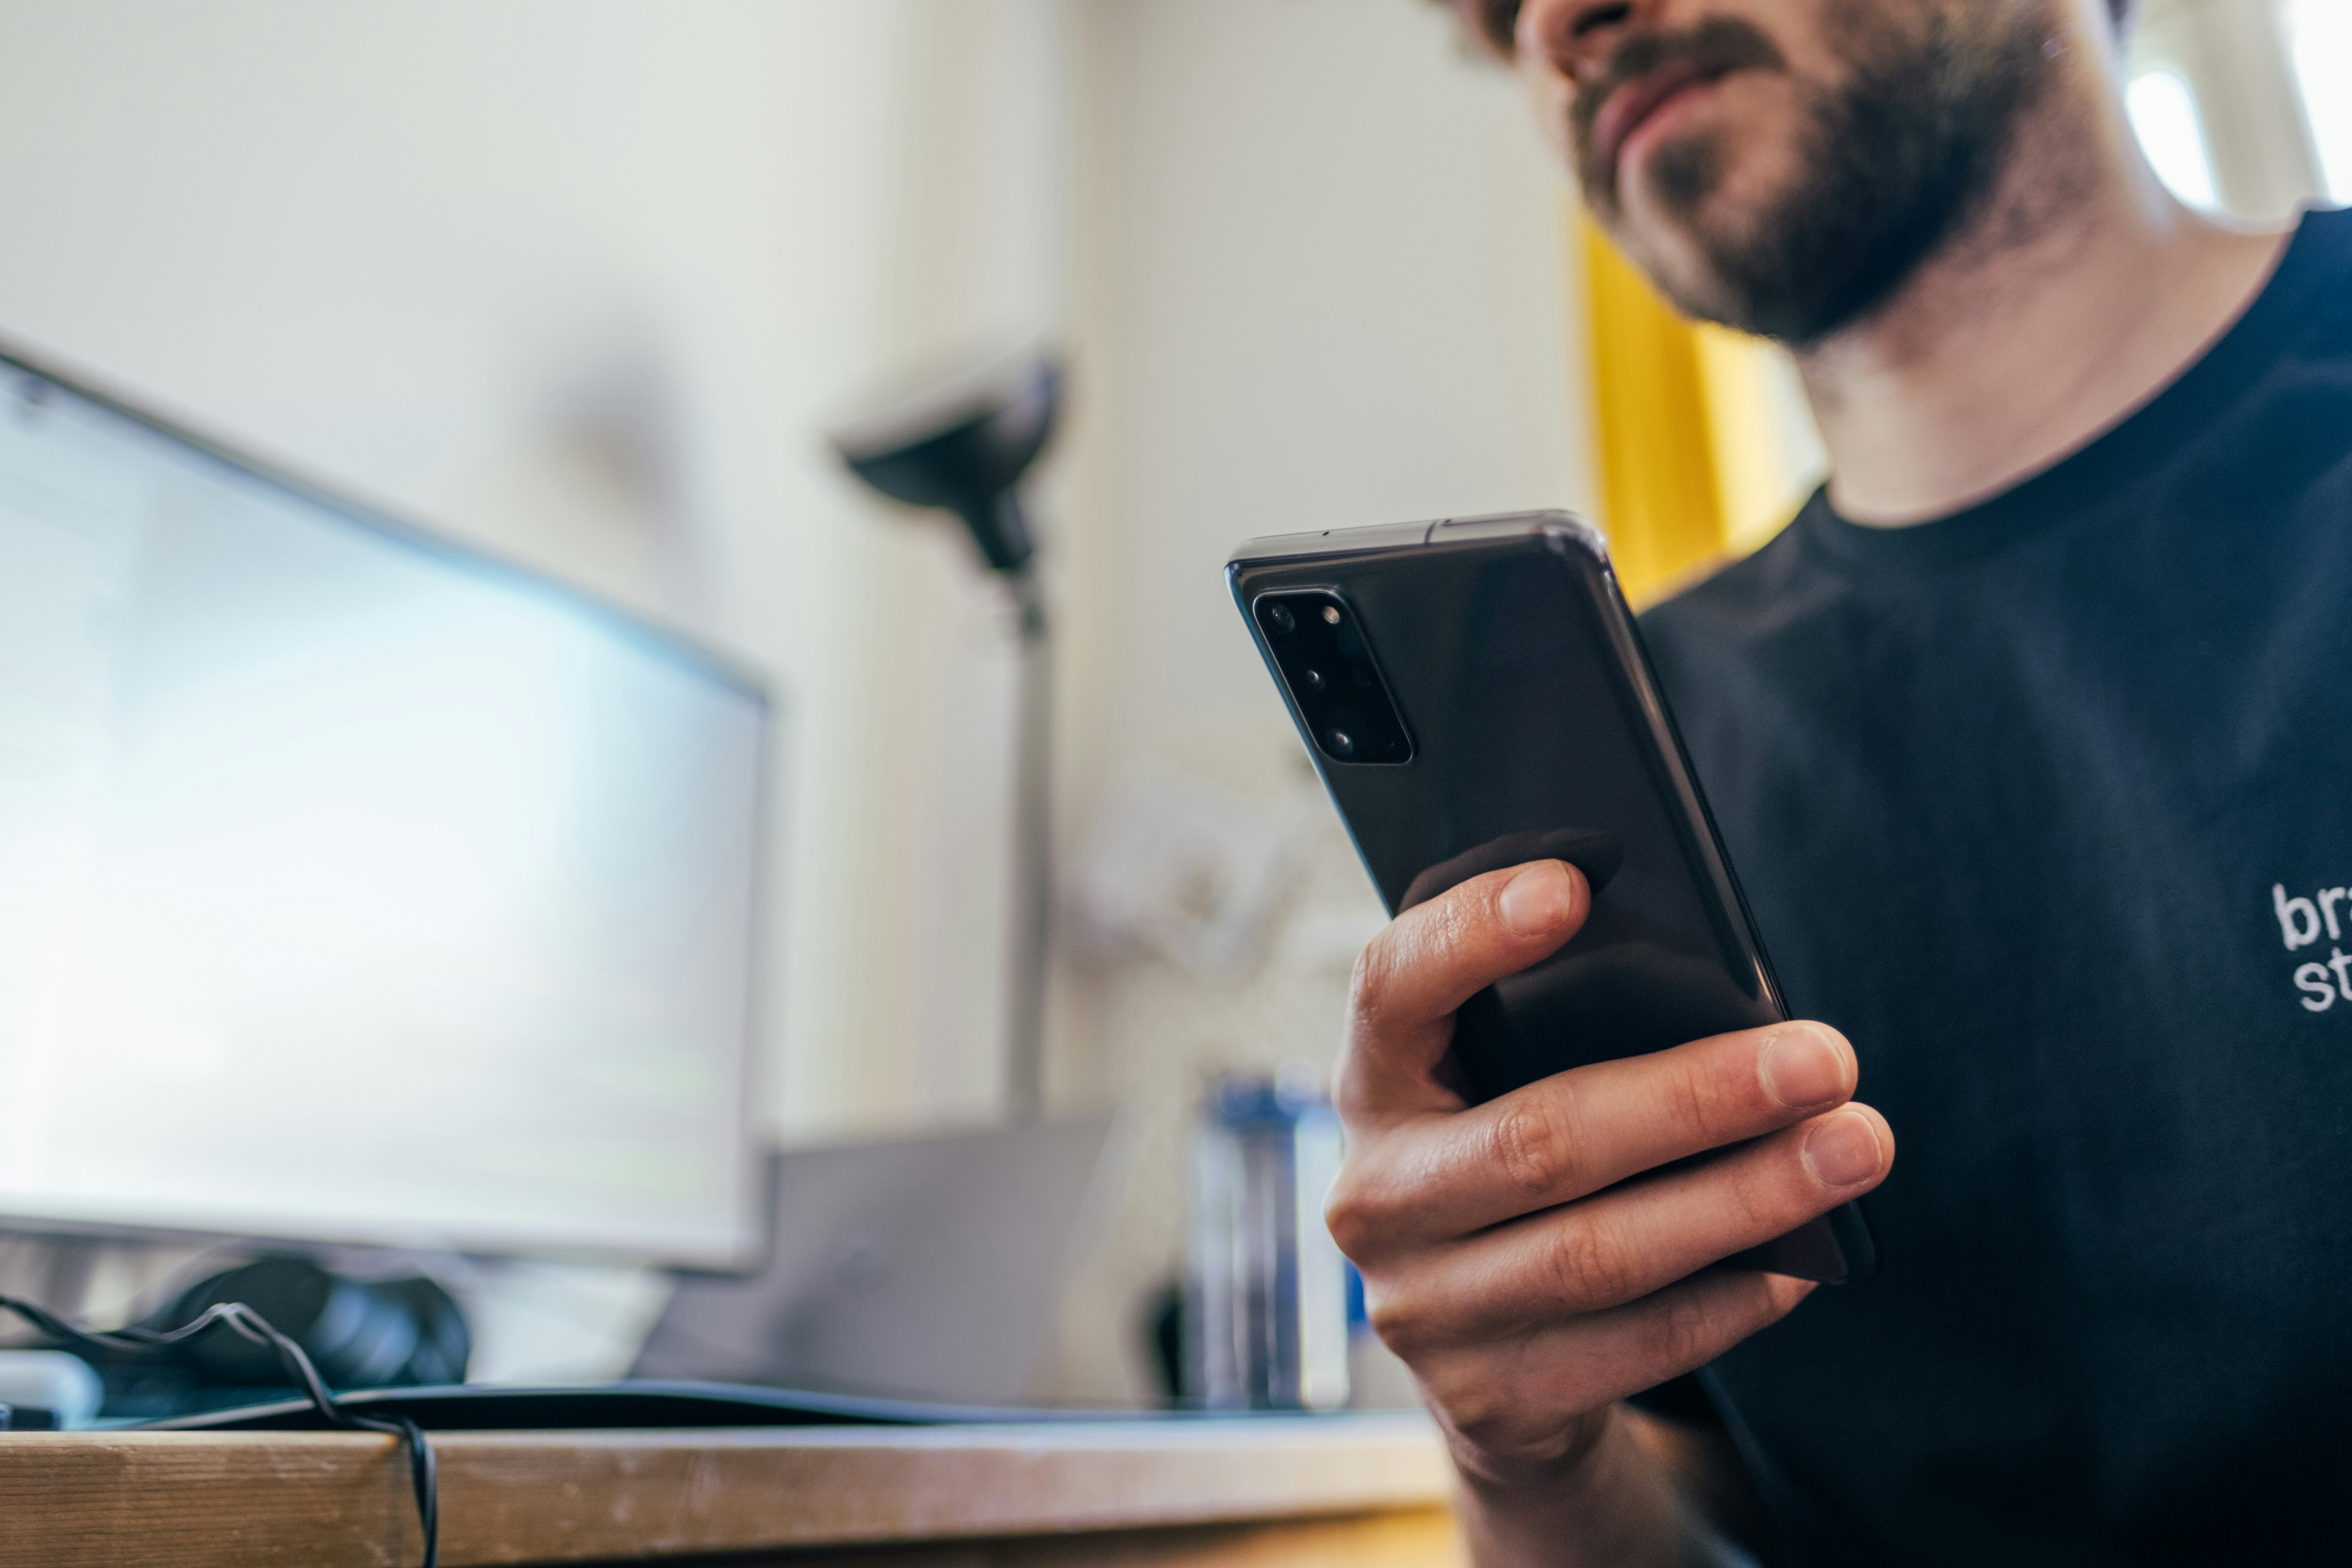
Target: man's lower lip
[1659,121]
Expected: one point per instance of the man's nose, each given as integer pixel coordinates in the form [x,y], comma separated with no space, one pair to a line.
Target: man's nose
[1576,35]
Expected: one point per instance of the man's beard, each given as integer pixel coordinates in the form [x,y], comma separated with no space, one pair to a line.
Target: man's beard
[1892,163]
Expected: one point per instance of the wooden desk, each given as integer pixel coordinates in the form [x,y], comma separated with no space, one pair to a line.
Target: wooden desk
[1362,1492]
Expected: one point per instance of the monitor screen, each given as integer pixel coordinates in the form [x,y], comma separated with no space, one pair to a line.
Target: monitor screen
[353,886]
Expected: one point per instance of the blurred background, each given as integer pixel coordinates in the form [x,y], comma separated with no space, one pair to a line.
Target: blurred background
[585,282]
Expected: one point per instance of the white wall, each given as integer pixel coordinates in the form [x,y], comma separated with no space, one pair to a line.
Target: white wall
[1328,286]
[1323,280]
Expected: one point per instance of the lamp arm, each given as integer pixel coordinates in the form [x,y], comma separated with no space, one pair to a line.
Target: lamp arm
[1033,852]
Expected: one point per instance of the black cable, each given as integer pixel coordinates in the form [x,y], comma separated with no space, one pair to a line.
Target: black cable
[252,1326]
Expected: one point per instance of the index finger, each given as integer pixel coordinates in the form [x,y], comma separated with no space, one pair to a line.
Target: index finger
[1413,977]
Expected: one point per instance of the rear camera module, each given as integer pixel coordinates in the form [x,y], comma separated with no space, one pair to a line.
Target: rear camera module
[1317,646]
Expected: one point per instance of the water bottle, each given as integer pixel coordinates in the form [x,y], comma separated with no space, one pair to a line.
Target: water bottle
[1265,1289]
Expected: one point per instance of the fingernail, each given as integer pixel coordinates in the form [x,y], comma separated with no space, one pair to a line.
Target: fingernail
[1538,900]
[1801,1070]
[1843,1151]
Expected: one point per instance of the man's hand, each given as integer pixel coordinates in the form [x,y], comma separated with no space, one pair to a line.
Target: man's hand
[1509,1258]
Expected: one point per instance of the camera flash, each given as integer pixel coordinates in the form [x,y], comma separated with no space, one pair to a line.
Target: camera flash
[1331,614]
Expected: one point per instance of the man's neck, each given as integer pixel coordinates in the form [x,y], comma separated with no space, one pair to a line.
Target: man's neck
[2080,290]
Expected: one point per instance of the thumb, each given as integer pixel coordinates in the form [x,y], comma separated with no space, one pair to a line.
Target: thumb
[1430,960]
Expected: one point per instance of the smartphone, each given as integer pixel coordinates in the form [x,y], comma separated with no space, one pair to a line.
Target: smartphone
[1475,695]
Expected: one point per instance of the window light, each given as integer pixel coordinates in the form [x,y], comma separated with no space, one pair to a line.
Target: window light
[2164,115]
[2319,33]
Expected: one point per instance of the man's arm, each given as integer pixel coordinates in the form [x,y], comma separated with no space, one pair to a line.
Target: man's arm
[1513,1265]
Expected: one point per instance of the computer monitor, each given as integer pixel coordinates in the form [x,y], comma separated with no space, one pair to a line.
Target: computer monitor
[354,886]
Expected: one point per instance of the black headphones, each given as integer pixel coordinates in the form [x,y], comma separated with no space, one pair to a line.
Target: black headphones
[380,1333]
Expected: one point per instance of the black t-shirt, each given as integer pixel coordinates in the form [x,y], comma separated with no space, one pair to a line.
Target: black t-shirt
[2047,805]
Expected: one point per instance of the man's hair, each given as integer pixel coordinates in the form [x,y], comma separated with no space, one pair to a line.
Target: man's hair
[1494,23]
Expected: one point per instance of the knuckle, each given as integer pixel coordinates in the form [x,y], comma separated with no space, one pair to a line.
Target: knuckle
[1499,1429]
[1355,1216]
[1758,1218]
[1680,1333]
[1689,1091]
[1369,980]
[1400,1321]
[1533,1143]
[1477,1397]
[1486,1415]
[1378,978]
[1586,1266]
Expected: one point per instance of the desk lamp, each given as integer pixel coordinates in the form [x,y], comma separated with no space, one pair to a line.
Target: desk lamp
[962,444]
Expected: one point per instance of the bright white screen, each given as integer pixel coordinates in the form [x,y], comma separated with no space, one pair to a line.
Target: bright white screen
[352,886]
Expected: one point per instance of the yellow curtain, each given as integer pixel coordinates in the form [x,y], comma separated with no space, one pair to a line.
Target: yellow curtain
[1705,449]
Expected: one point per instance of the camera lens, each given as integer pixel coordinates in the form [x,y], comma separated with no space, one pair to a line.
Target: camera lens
[1278,616]
[1342,743]
[1312,679]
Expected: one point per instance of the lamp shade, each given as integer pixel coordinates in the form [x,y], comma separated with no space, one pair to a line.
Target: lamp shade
[963,446]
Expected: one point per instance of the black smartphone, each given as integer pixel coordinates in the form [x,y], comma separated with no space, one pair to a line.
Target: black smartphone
[1475,694]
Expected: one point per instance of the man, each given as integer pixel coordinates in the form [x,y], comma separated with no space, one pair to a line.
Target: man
[2031,739]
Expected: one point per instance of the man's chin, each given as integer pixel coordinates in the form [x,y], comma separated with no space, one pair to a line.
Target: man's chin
[1677,268]
[1677,250]
[1699,223]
